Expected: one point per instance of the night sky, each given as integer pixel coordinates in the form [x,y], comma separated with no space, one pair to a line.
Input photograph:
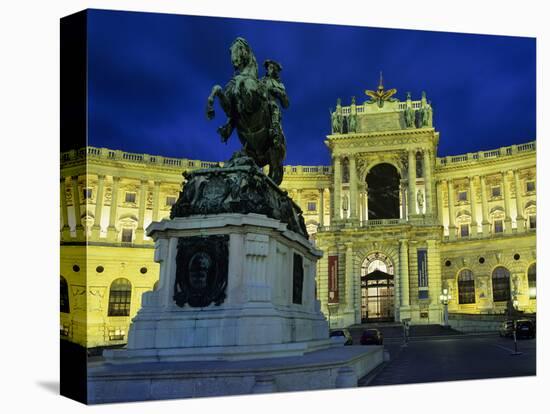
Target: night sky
[150,75]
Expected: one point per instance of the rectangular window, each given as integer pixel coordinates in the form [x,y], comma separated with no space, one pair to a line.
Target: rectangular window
[533,222]
[130,197]
[311,206]
[499,227]
[170,201]
[87,193]
[127,235]
[462,196]
[495,191]
[530,186]
[116,334]
[464,230]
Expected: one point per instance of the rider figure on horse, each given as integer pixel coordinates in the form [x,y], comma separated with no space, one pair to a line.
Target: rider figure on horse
[275,91]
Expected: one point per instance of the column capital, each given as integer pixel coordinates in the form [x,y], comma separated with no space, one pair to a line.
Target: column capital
[74,177]
[116,178]
[403,242]
[349,245]
[100,176]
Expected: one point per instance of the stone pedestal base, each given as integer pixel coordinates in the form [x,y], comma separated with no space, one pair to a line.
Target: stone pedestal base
[336,367]
[262,311]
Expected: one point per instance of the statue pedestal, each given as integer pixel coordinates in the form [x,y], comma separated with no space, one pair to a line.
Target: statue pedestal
[264,311]
[235,311]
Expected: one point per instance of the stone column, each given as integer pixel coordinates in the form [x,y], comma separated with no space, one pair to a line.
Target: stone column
[76,205]
[520,220]
[452,227]
[507,218]
[353,188]
[65,230]
[321,207]
[140,231]
[366,194]
[331,205]
[337,202]
[156,194]
[434,273]
[428,182]
[412,183]
[111,230]
[440,201]
[403,190]
[96,229]
[404,273]
[298,199]
[473,205]
[349,278]
[484,208]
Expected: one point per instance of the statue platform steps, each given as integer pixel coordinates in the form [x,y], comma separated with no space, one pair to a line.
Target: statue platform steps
[335,367]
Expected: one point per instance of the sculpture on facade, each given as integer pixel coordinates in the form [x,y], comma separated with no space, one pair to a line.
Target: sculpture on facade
[409,116]
[380,95]
[420,199]
[336,121]
[352,122]
[252,108]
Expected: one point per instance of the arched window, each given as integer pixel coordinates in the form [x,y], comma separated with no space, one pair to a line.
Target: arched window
[120,296]
[383,182]
[64,297]
[501,284]
[466,287]
[532,278]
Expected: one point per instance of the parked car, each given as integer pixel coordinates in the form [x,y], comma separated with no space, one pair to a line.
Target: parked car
[506,328]
[372,337]
[343,332]
[525,328]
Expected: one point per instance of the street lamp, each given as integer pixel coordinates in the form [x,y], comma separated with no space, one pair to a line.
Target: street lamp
[444,298]
[515,304]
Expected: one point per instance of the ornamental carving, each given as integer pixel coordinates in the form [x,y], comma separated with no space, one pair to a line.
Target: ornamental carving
[238,187]
[201,270]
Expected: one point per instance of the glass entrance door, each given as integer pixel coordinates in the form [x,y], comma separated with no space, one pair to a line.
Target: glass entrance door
[377,297]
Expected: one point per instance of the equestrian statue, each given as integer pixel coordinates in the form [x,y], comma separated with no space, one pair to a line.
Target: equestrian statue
[252,107]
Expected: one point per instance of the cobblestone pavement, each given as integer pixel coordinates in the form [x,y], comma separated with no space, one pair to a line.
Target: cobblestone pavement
[461,358]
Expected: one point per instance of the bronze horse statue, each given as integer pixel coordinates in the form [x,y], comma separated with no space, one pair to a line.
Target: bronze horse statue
[252,107]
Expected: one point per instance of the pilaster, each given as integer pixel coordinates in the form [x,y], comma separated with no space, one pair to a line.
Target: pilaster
[96,229]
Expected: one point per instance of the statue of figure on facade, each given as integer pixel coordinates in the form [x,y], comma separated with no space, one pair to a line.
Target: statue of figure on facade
[409,117]
[425,116]
[336,121]
[252,108]
[353,100]
[345,127]
[345,203]
[352,122]
[420,199]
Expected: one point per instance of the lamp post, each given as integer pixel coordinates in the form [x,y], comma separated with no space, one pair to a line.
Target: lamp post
[515,304]
[444,298]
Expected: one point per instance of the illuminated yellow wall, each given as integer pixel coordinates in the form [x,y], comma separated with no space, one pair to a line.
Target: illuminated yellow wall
[109,204]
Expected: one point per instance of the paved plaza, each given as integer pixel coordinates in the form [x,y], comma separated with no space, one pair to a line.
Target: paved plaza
[454,358]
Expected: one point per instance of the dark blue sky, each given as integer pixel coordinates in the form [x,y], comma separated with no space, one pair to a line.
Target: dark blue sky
[150,75]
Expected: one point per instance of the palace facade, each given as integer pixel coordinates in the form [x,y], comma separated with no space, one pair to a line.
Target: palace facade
[397,224]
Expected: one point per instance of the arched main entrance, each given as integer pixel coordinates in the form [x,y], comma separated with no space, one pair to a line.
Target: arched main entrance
[377,288]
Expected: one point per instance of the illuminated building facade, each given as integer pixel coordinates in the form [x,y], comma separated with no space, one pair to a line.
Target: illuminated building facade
[397,224]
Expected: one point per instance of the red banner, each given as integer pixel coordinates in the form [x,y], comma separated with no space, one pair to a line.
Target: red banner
[333,279]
